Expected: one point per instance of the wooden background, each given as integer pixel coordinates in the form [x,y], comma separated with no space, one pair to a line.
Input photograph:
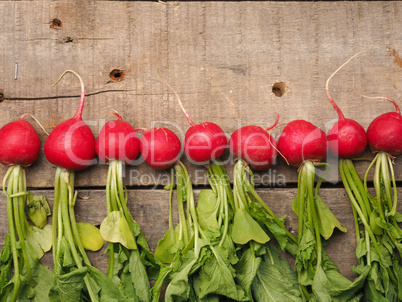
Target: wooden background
[210,52]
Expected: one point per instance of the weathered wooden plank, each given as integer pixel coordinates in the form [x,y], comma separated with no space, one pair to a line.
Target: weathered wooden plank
[208,51]
[150,209]
[41,174]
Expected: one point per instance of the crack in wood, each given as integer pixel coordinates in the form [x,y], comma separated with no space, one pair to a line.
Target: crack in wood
[57,97]
[75,40]
[22,98]
[238,69]
[64,40]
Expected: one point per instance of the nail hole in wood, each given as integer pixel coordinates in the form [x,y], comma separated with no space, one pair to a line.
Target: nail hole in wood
[279,89]
[55,23]
[1,96]
[116,75]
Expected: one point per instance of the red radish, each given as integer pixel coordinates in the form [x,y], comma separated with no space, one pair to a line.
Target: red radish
[255,146]
[71,144]
[118,144]
[385,140]
[385,132]
[346,138]
[117,140]
[20,143]
[20,147]
[304,145]
[203,142]
[160,147]
[300,141]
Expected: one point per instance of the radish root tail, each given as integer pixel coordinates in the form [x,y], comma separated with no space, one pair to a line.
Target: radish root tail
[116,113]
[337,109]
[78,115]
[178,100]
[273,104]
[211,80]
[377,97]
[279,152]
[35,119]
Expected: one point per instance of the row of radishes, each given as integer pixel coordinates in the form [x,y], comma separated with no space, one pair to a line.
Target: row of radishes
[71,146]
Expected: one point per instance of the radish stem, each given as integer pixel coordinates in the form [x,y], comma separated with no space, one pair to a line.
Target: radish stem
[67,226]
[218,174]
[353,189]
[191,206]
[183,232]
[19,218]
[116,201]
[13,235]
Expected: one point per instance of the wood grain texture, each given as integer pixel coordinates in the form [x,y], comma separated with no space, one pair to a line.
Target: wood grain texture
[150,209]
[209,52]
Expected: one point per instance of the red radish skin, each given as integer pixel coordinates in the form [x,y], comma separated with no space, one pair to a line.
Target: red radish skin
[117,140]
[204,142]
[71,144]
[160,148]
[255,146]
[385,133]
[346,138]
[301,140]
[20,143]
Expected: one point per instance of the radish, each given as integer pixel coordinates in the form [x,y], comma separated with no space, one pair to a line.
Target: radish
[346,138]
[385,132]
[117,141]
[118,144]
[385,140]
[20,147]
[255,146]
[20,143]
[71,146]
[160,147]
[204,142]
[301,141]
